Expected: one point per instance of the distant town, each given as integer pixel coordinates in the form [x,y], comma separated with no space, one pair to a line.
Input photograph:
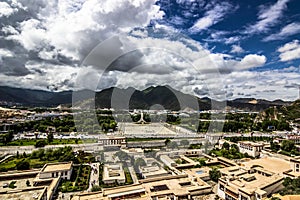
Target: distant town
[56,153]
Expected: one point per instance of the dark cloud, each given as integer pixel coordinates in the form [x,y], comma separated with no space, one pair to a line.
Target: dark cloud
[13,67]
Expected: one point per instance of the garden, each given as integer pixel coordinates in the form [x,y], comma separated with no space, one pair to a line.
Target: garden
[79,179]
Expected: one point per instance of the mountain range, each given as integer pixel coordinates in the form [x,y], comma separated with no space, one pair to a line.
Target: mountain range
[163,97]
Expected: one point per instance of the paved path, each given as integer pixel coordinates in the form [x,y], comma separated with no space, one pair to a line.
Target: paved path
[6,157]
[94,177]
[133,175]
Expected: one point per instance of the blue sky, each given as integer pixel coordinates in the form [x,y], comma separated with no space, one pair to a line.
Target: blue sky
[221,49]
[239,25]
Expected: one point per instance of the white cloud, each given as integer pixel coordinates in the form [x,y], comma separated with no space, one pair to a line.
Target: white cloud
[237,49]
[251,61]
[212,16]
[32,36]
[288,30]
[268,17]
[6,10]
[269,85]
[9,30]
[75,27]
[289,51]
[5,53]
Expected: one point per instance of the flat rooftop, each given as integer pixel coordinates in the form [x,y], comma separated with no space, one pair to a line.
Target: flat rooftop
[23,194]
[53,167]
[249,183]
[134,191]
[275,165]
[113,171]
[178,185]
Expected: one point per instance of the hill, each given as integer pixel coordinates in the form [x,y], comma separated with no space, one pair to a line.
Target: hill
[130,98]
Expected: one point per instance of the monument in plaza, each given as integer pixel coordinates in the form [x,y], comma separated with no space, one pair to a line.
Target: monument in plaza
[141,120]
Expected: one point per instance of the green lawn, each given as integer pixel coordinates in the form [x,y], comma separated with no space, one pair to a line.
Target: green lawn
[11,163]
[31,142]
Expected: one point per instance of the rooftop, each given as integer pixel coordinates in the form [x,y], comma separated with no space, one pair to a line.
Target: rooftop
[251,183]
[53,167]
[275,165]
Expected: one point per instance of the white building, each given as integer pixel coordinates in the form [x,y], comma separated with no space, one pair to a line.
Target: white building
[113,173]
[167,161]
[54,170]
[251,148]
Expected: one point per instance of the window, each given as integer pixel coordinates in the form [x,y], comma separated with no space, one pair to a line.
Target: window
[243,197]
[227,197]
[66,173]
[52,174]
[221,187]
[297,165]
[56,173]
[61,173]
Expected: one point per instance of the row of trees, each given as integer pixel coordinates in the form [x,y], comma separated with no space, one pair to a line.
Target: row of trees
[287,147]
[228,151]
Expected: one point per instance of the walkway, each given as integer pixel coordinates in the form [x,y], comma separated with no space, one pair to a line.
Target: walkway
[94,177]
[133,175]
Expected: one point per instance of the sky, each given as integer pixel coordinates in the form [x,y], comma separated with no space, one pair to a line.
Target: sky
[221,49]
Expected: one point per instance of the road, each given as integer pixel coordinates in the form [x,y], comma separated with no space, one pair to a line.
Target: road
[94,177]
[28,149]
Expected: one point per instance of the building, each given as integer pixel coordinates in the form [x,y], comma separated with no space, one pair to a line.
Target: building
[175,187]
[256,179]
[202,173]
[112,141]
[269,164]
[239,183]
[135,191]
[251,148]
[113,173]
[152,171]
[213,138]
[42,186]
[54,170]
[167,161]
[295,168]
[186,163]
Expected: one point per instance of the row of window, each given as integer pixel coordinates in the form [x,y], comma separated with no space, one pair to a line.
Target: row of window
[62,173]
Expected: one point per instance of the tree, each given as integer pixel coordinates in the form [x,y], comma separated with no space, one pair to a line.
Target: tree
[96,188]
[76,140]
[50,137]
[184,143]
[23,165]
[140,162]
[287,145]
[226,145]
[167,141]
[274,146]
[214,174]
[7,138]
[40,143]
[173,145]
